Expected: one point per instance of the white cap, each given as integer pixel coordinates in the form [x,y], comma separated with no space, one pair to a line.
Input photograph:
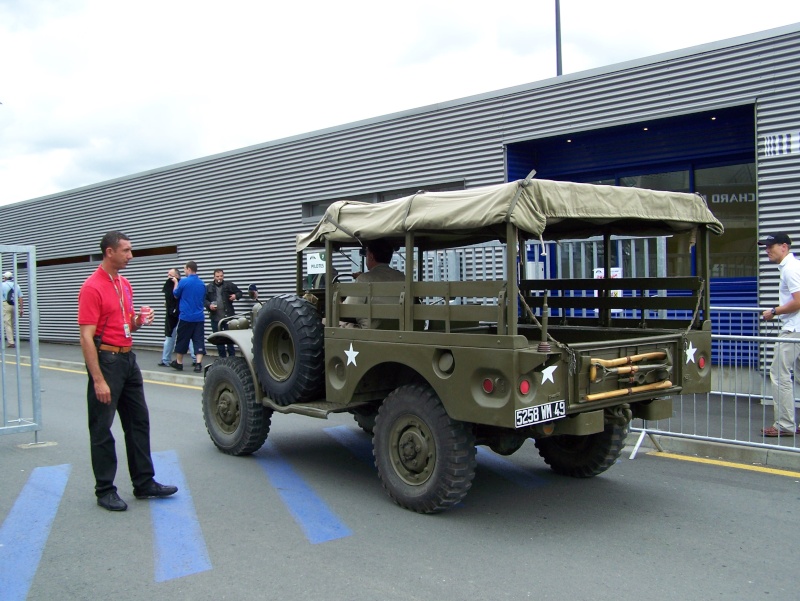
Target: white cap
[8,275]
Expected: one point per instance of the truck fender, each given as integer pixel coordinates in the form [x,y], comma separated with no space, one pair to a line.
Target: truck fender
[242,339]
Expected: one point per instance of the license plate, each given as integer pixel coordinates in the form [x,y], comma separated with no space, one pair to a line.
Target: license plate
[540,413]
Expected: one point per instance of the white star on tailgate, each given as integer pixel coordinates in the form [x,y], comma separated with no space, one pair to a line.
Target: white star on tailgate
[351,356]
[547,373]
[690,351]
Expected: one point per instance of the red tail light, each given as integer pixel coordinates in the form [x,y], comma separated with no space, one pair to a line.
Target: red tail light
[524,387]
[488,386]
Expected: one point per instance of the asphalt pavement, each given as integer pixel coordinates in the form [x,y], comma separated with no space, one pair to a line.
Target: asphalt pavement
[306,518]
[70,356]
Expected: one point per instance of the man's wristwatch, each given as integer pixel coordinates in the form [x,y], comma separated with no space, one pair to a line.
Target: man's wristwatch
[773,311]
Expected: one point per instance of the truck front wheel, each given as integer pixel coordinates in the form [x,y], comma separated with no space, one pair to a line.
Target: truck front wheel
[235,421]
[425,459]
[584,456]
[365,417]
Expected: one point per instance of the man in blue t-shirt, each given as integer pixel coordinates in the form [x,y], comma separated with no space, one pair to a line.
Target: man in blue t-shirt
[190,292]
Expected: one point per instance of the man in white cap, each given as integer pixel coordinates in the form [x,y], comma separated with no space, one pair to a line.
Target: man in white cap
[786,353]
[12,297]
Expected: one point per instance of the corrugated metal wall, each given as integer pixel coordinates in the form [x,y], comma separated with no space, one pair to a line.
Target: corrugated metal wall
[778,130]
[241,210]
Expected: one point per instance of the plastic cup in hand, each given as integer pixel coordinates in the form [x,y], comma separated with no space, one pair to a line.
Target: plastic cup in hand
[147,314]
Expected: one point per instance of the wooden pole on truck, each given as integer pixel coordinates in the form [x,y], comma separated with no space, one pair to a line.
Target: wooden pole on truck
[622,361]
[600,396]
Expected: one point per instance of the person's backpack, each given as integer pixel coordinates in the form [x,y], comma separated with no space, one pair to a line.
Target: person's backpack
[10,296]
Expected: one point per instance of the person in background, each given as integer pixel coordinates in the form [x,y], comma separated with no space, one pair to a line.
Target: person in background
[220,296]
[171,319]
[107,321]
[190,292]
[12,302]
[786,353]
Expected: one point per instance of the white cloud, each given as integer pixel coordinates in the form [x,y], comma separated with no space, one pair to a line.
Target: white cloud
[99,89]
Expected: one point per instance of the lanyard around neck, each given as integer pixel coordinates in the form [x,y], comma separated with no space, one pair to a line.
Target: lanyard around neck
[119,296]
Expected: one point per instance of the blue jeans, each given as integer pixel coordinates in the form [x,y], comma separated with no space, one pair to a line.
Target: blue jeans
[169,347]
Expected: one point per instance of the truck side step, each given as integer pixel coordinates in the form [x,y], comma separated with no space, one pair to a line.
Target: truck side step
[319,409]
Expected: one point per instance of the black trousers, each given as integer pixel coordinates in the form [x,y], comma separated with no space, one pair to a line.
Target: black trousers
[127,398]
[223,350]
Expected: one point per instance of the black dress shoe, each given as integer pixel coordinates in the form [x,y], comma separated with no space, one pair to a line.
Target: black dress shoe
[112,502]
[154,490]
[176,365]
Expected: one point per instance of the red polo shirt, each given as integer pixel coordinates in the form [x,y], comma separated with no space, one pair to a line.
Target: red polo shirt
[99,305]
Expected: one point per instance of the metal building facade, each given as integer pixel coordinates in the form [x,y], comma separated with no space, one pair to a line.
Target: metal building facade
[240,210]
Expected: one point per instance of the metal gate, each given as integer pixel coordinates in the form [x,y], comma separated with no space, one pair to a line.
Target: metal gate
[568,259]
[19,354]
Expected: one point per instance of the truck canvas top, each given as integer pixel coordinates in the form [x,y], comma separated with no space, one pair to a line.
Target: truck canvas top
[539,208]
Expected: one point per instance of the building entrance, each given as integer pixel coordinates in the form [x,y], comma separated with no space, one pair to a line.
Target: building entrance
[711,153]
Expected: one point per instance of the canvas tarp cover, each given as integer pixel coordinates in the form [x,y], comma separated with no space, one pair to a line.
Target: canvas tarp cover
[541,208]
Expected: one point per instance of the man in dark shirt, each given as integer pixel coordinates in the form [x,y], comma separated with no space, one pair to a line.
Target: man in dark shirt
[220,296]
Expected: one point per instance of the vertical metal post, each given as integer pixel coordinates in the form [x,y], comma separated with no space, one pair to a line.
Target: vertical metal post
[558,38]
[408,298]
[329,286]
[703,268]
[605,312]
[298,276]
[512,272]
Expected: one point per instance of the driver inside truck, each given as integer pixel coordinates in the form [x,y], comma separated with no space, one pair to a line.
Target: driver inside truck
[378,255]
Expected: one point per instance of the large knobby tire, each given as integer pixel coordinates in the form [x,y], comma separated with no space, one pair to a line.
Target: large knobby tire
[425,459]
[236,422]
[365,417]
[584,456]
[288,350]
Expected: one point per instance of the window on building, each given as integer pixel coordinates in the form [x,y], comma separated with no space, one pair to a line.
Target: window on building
[730,193]
[668,181]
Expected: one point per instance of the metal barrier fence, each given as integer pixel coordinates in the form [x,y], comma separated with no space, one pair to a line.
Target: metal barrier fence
[740,403]
[19,383]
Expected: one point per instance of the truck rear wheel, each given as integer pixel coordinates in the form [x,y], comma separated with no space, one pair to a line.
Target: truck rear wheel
[288,350]
[425,459]
[583,456]
[235,421]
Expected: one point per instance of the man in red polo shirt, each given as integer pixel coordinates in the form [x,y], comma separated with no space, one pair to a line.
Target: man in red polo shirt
[107,321]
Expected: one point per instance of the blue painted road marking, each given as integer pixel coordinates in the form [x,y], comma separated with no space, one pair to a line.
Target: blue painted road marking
[26,528]
[310,512]
[355,441]
[509,470]
[179,547]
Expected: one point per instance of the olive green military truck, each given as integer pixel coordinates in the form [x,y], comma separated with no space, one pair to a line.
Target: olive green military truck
[499,356]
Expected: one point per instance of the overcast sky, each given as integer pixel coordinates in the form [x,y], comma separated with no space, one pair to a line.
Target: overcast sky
[96,89]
